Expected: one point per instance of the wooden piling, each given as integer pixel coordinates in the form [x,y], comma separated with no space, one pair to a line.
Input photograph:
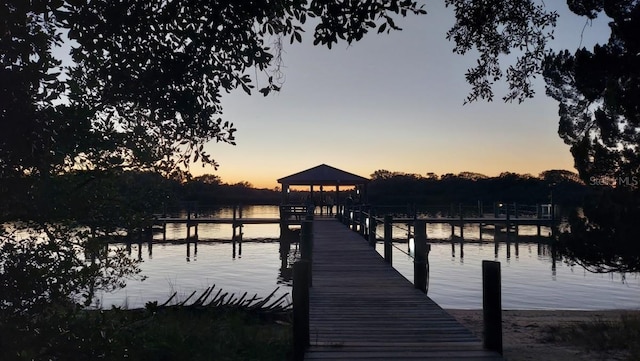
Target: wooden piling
[420,257]
[300,308]
[492,305]
[507,222]
[306,246]
[388,239]
[461,224]
[361,220]
[372,231]
[354,224]
[234,217]
[306,240]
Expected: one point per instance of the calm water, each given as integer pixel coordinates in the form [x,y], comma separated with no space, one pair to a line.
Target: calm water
[531,279]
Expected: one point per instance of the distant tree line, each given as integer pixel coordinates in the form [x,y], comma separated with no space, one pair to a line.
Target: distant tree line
[124,194]
[561,186]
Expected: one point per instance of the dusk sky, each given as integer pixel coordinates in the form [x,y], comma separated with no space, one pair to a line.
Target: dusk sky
[393,102]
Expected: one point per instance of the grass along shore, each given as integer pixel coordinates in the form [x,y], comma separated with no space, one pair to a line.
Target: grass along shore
[218,327]
[563,335]
[240,330]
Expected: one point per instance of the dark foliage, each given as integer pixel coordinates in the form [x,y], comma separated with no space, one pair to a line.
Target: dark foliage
[144,90]
[598,92]
[495,28]
[468,188]
[605,237]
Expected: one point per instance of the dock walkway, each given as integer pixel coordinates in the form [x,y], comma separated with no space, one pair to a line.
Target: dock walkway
[363,309]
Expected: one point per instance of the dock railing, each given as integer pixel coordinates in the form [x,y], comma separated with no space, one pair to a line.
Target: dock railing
[363,218]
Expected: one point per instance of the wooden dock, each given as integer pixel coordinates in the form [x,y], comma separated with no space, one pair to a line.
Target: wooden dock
[363,309]
[214,220]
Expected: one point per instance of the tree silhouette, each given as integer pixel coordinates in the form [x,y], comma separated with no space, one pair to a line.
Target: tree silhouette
[598,92]
[144,92]
[495,28]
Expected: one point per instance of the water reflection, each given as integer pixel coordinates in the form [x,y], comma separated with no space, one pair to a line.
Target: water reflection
[257,260]
[603,234]
[288,256]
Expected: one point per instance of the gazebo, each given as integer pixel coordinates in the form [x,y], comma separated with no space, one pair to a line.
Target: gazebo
[324,176]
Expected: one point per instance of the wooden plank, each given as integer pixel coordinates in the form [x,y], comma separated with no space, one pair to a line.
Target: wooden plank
[218,220]
[363,309]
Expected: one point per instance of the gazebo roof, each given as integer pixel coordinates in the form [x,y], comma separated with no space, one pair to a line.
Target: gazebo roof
[323,175]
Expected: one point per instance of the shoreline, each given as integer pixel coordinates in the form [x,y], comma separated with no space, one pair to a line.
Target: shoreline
[525,333]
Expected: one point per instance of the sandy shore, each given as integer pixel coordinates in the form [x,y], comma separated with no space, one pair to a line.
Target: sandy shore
[524,333]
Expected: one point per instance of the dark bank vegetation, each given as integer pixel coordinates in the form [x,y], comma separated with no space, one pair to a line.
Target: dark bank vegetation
[222,327]
[611,337]
[553,186]
[88,197]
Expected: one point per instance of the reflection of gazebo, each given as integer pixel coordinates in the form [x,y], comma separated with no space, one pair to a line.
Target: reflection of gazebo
[324,176]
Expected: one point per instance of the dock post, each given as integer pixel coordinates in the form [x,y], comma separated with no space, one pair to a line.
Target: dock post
[306,245]
[306,240]
[372,230]
[461,224]
[388,238]
[356,214]
[361,220]
[492,305]
[300,308]
[234,217]
[508,224]
[345,215]
[420,264]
